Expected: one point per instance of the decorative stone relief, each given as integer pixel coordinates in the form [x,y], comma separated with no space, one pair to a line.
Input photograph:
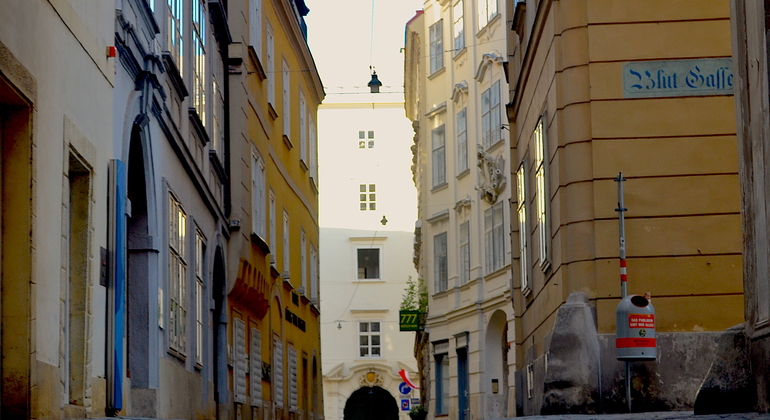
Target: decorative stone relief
[371,378]
[492,179]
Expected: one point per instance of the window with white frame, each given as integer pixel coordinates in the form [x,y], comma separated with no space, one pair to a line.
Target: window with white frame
[313,151]
[313,274]
[438,155]
[302,128]
[177,276]
[459,26]
[436,47]
[462,140]
[199,58]
[362,139]
[285,249]
[367,197]
[490,116]
[303,260]
[465,252]
[200,254]
[273,229]
[255,26]
[369,339]
[258,206]
[175,28]
[278,371]
[269,63]
[440,264]
[255,367]
[487,10]
[218,112]
[286,98]
[239,360]
[521,211]
[442,383]
[494,238]
[368,263]
[293,390]
[541,193]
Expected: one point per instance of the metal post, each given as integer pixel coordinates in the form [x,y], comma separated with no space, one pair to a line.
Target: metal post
[623,274]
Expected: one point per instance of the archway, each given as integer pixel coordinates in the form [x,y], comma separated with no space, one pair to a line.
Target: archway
[496,344]
[371,403]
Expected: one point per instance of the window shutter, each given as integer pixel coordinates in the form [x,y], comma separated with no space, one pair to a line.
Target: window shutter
[239,365]
[278,372]
[293,379]
[255,367]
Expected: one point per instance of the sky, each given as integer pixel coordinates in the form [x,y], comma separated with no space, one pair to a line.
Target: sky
[344,45]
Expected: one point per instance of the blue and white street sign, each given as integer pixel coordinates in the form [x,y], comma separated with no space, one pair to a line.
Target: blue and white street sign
[404,389]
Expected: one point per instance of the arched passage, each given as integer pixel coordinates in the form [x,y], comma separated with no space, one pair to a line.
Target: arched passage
[371,403]
[496,344]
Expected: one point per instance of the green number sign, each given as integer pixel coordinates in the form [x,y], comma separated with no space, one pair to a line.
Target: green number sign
[410,321]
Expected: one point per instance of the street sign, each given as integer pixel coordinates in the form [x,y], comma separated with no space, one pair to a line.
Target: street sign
[404,389]
[410,321]
[405,404]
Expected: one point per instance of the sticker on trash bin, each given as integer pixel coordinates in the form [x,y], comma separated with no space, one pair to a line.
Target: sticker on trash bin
[634,342]
[641,321]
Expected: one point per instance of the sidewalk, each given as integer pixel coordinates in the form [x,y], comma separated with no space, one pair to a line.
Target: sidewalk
[666,415]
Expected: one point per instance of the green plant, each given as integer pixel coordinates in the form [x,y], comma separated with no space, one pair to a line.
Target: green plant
[416,296]
[418,412]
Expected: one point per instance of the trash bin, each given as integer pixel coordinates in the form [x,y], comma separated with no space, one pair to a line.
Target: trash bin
[635,340]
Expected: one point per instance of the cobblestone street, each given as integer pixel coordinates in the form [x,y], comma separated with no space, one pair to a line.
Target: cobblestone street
[666,415]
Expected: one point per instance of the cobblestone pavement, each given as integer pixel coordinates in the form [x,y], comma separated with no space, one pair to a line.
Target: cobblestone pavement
[667,415]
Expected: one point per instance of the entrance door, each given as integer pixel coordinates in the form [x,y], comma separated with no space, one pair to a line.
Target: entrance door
[462,384]
[371,403]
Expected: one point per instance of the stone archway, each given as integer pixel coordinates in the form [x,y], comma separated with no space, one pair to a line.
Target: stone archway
[371,403]
[496,345]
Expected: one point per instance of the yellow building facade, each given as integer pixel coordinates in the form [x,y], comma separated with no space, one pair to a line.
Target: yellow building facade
[273,314]
[599,88]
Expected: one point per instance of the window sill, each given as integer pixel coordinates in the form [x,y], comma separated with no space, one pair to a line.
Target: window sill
[439,187]
[494,145]
[287,142]
[258,69]
[437,73]
[260,242]
[303,165]
[271,111]
[369,280]
[460,54]
[489,23]
[502,270]
[463,174]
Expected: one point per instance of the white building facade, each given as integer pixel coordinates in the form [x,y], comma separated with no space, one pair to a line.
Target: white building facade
[456,91]
[364,161]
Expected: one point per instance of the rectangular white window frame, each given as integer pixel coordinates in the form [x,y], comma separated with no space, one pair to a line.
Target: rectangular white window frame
[278,372]
[521,212]
[255,367]
[440,262]
[442,383]
[367,197]
[302,128]
[177,277]
[258,184]
[313,140]
[200,255]
[273,228]
[541,194]
[369,263]
[199,19]
[175,29]
[369,340]
[255,26]
[286,99]
[239,361]
[487,11]
[314,275]
[285,250]
[494,238]
[438,156]
[269,63]
[490,116]
[303,261]
[462,140]
[465,252]
[436,46]
[459,26]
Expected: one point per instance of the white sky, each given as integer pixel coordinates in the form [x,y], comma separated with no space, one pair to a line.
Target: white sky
[343,44]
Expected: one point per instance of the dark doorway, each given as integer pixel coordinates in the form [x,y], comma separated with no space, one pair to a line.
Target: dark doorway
[219,332]
[371,403]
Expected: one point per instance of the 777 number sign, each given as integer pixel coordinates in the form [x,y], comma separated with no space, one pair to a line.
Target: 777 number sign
[410,321]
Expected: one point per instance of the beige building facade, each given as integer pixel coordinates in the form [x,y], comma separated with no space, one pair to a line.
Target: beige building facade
[456,90]
[600,88]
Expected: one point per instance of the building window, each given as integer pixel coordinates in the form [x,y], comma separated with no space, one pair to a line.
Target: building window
[521,211]
[257,194]
[367,197]
[442,383]
[303,260]
[239,360]
[530,380]
[218,112]
[200,254]
[369,339]
[541,194]
[362,139]
[313,151]
[177,274]
[465,252]
[293,393]
[438,162]
[487,10]
[277,375]
[459,28]
[199,58]
[255,26]
[494,239]
[368,263]
[285,244]
[255,367]
[175,26]
[313,275]
[490,115]
[286,100]
[440,267]
[462,140]
[269,63]
[436,47]
[302,128]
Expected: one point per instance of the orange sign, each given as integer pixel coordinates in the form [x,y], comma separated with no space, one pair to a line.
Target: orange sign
[641,321]
[634,342]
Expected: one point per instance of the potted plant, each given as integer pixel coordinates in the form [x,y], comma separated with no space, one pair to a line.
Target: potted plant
[418,412]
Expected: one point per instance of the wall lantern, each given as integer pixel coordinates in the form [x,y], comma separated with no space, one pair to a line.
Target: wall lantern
[374,84]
